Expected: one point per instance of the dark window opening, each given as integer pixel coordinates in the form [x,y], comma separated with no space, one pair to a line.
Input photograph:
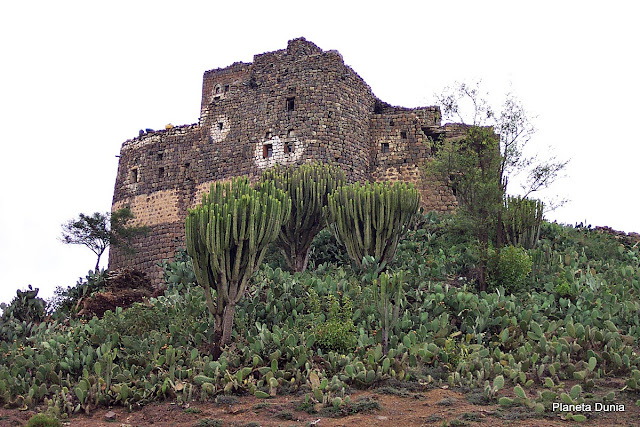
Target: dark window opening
[391,122]
[186,165]
[226,88]
[289,148]
[403,134]
[385,147]
[161,173]
[135,177]
[217,89]
[160,156]
[220,125]
[291,105]
[267,151]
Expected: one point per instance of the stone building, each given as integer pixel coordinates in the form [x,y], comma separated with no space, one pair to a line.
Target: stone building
[289,106]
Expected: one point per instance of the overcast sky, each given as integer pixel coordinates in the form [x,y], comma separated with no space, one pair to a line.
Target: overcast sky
[79,78]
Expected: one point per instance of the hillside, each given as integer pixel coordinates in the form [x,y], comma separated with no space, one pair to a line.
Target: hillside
[567,332]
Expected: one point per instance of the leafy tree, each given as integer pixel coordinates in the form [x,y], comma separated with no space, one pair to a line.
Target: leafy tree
[308,185]
[227,237]
[471,165]
[467,104]
[371,218]
[101,230]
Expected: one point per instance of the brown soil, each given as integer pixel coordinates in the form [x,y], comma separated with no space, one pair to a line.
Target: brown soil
[435,407]
[124,287]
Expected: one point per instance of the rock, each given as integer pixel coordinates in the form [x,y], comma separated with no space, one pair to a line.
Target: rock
[110,416]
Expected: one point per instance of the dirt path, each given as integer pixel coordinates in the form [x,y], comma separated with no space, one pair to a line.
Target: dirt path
[436,407]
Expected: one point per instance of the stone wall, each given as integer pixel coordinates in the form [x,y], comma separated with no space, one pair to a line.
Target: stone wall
[288,106]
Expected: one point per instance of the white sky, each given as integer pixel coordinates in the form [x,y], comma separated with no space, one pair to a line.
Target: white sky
[78,78]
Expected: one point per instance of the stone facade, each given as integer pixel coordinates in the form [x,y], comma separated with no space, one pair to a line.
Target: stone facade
[289,106]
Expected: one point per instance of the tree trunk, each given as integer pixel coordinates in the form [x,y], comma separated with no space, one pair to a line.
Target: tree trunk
[98,264]
[227,324]
[301,260]
[385,340]
[222,331]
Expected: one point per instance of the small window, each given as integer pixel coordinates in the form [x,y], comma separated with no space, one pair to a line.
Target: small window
[220,125]
[135,176]
[403,134]
[160,156]
[385,147]
[289,148]
[226,88]
[267,151]
[291,104]
[391,122]
[161,173]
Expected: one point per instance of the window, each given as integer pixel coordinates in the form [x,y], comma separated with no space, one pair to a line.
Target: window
[160,156]
[267,151]
[135,176]
[289,148]
[226,88]
[161,173]
[403,134]
[217,89]
[385,147]
[391,122]
[291,103]
[220,125]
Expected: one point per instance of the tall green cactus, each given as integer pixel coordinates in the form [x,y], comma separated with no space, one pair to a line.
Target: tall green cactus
[370,219]
[521,220]
[227,237]
[308,185]
[388,296]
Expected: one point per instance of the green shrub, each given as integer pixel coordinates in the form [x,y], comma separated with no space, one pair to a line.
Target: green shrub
[509,268]
[325,248]
[565,290]
[43,420]
[337,333]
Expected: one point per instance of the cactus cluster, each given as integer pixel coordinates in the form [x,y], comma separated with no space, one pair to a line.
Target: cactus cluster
[532,348]
[371,218]
[227,237]
[308,185]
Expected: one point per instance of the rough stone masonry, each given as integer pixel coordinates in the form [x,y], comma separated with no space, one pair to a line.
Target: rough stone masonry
[289,106]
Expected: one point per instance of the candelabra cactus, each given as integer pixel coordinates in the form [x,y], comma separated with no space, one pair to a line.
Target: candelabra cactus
[521,221]
[370,219]
[388,296]
[308,186]
[227,237]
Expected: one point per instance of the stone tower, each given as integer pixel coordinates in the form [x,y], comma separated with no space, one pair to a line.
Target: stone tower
[289,106]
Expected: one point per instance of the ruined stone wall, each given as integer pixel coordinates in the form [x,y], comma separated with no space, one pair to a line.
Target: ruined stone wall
[288,106]
[401,144]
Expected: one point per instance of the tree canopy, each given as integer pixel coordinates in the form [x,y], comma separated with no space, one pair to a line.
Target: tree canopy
[101,230]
